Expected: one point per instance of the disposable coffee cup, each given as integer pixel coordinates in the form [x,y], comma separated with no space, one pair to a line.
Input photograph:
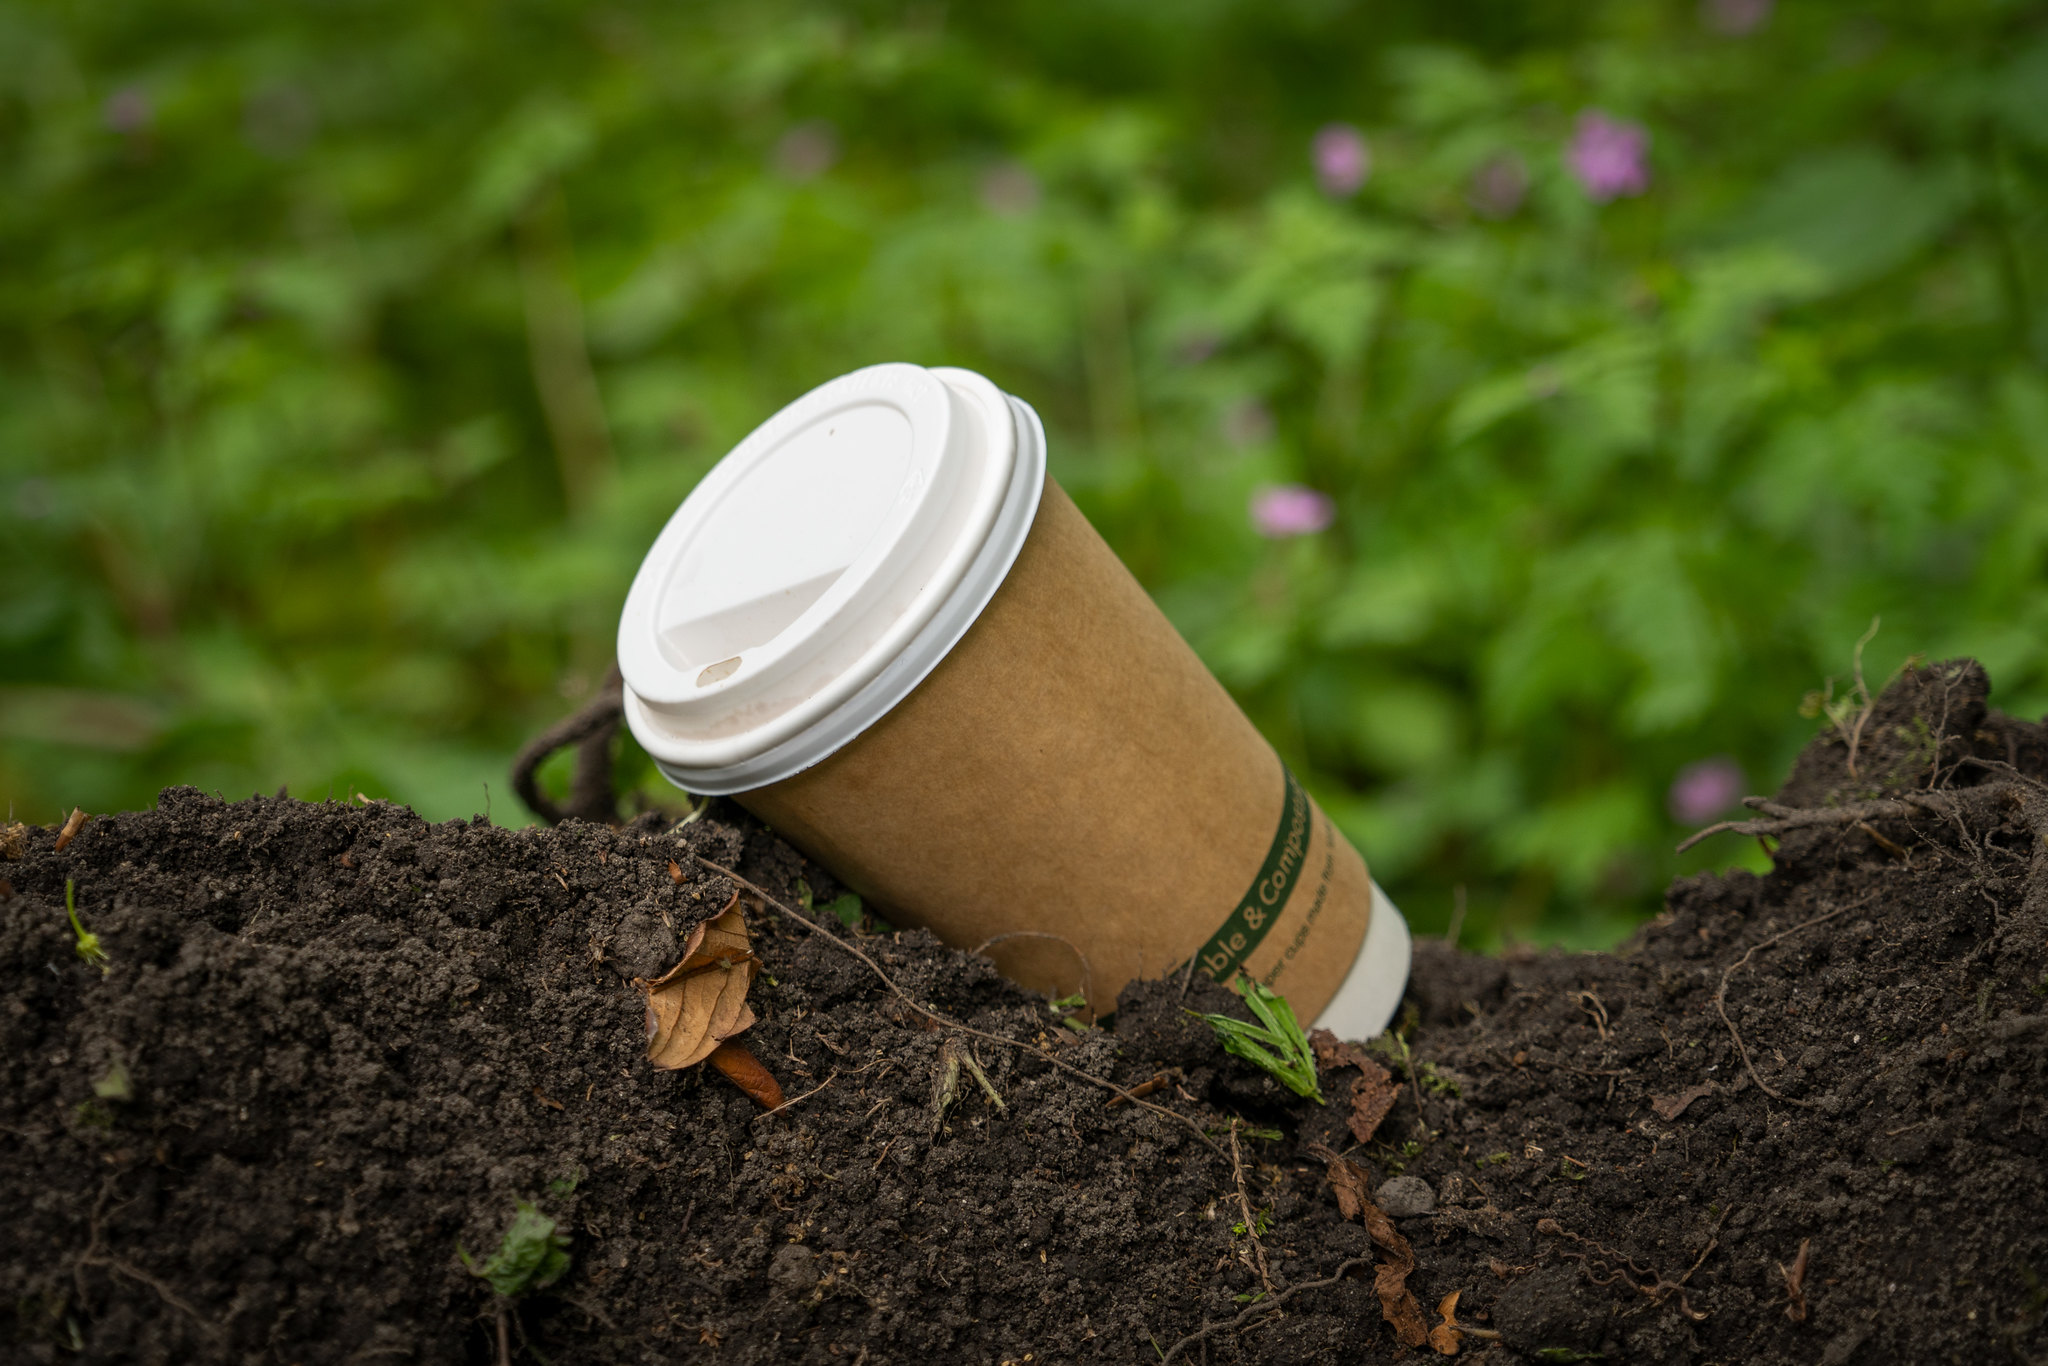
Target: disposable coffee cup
[881,627]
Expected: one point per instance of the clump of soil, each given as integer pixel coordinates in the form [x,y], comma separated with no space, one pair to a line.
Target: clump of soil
[334,1044]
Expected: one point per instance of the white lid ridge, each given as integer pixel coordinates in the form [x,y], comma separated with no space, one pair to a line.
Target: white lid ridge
[822,569]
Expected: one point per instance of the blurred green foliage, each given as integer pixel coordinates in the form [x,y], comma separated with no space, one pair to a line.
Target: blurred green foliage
[351,353]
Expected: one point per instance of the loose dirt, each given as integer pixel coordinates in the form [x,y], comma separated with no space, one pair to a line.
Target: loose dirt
[333,1046]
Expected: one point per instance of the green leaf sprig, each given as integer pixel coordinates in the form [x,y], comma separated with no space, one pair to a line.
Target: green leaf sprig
[1276,1044]
[532,1256]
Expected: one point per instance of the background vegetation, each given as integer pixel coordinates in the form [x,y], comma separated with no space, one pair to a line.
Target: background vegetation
[351,353]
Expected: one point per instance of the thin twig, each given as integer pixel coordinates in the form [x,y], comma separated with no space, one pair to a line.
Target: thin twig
[805,1096]
[1229,1325]
[944,1023]
[1721,997]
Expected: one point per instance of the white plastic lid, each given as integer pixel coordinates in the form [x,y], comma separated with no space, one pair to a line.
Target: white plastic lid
[822,569]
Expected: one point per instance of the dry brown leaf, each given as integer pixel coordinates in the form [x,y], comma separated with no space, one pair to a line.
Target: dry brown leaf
[744,1070]
[1332,1051]
[1445,1337]
[1375,1093]
[11,838]
[1669,1108]
[702,1001]
[1390,1282]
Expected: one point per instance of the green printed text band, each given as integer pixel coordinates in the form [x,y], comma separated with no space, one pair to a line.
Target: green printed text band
[1260,906]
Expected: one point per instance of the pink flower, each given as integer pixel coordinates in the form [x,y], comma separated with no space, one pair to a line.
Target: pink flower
[1283,510]
[1342,159]
[1734,17]
[1609,156]
[1704,790]
[1499,186]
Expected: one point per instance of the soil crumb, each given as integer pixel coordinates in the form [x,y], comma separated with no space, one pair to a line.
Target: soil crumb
[332,1050]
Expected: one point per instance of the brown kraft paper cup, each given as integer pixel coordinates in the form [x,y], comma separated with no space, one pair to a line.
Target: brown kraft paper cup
[1073,793]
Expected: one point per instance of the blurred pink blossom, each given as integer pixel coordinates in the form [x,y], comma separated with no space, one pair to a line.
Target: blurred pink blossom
[1704,790]
[127,110]
[808,150]
[1734,17]
[1009,190]
[1283,510]
[1609,156]
[1196,347]
[1248,422]
[1342,159]
[1499,186]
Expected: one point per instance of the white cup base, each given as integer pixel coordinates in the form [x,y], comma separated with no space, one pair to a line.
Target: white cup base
[1365,1004]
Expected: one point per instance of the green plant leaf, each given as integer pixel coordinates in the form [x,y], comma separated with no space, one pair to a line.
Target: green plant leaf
[1276,1045]
[532,1255]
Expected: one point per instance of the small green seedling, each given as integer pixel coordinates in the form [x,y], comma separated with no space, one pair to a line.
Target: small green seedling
[1062,1006]
[1276,1044]
[115,1084]
[846,906]
[532,1256]
[88,943]
[1436,1082]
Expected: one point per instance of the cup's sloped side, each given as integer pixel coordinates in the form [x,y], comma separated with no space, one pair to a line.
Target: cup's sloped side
[1073,779]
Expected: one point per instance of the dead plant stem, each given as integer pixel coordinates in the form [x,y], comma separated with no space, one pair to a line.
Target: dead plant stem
[1244,1205]
[944,1023]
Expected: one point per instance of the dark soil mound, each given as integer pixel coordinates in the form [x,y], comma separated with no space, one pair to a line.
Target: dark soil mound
[335,1043]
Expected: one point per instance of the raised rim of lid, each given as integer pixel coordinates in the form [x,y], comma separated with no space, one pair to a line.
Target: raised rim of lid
[822,569]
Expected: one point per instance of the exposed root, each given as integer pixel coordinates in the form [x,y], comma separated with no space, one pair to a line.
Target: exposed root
[1782,820]
[1721,996]
[1604,1266]
[95,1256]
[1263,1306]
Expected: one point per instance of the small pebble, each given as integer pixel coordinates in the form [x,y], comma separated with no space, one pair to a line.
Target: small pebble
[1406,1196]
